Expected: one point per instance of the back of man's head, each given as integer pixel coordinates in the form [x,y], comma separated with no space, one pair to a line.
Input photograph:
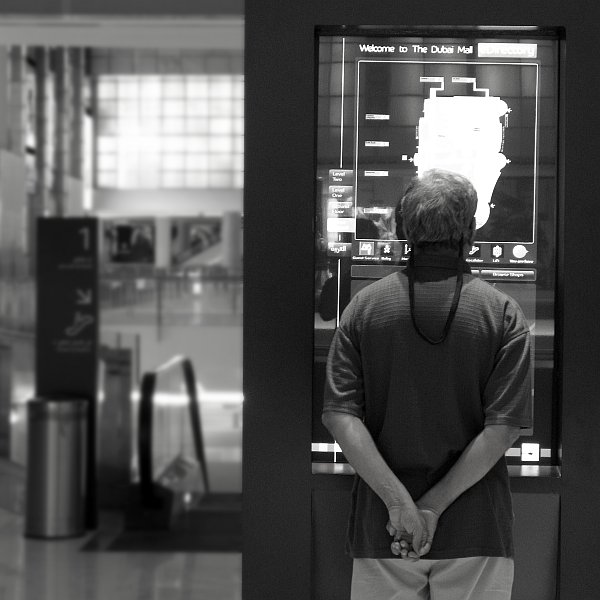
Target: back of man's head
[438,208]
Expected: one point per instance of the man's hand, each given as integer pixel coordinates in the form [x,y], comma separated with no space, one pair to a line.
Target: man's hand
[431,521]
[404,544]
[410,531]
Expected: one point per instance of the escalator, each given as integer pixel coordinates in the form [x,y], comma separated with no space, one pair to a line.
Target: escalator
[172,507]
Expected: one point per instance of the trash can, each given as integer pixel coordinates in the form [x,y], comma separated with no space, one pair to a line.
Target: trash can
[56,457]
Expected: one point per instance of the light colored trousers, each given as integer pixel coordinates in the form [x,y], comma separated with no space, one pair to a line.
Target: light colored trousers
[477,578]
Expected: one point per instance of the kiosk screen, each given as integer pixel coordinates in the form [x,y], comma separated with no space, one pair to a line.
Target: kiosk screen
[391,105]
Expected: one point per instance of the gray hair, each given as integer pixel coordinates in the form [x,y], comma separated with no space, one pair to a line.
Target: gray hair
[438,207]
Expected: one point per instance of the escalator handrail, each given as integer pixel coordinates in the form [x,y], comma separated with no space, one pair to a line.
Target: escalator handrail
[145,429]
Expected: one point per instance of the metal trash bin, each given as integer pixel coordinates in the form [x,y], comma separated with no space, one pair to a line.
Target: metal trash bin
[56,458]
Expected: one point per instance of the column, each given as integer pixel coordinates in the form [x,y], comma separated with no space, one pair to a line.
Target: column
[162,243]
[76,59]
[17,99]
[231,237]
[42,70]
[4,95]
[61,152]
[74,133]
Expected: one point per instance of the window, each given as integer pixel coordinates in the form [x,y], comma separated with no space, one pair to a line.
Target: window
[175,131]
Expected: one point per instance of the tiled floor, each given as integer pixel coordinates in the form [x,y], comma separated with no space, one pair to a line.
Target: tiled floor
[68,569]
[64,570]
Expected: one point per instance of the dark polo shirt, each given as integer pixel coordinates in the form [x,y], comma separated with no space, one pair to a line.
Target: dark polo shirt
[423,403]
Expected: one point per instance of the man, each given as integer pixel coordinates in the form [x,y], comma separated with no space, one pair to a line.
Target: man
[428,384]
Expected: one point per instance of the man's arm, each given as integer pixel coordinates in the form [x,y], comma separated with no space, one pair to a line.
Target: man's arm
[360,451]
[484,451]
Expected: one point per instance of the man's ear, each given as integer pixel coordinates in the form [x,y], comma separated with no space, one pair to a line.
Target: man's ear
[472,229]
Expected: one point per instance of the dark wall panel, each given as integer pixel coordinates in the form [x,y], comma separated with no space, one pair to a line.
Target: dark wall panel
[536,534]
[332,568]
[279,290]
[278,312]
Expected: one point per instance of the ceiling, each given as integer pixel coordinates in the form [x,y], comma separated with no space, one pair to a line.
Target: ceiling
[213,33]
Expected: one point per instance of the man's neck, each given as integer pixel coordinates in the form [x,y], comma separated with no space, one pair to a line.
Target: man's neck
[436,251]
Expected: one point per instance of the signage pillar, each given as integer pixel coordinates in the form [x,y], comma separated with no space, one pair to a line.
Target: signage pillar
[67,327]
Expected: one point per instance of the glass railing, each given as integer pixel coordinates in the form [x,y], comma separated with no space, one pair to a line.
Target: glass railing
[143,294]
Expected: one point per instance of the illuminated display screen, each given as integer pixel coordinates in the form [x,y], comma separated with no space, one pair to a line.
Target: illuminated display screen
[393,105]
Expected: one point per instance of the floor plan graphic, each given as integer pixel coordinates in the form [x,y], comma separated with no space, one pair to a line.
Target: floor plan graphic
[464,134]
[476,118]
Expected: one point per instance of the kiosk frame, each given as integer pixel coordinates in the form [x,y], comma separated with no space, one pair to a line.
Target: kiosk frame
[282,498]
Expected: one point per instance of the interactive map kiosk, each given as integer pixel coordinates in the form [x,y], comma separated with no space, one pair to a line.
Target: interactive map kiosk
[483,104]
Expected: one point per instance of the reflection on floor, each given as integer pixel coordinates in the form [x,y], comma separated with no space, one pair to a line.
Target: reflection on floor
[66,570]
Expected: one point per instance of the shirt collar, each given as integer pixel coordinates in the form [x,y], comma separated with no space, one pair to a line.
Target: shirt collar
[439,261]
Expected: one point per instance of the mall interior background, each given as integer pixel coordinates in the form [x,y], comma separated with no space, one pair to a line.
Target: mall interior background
[149,140]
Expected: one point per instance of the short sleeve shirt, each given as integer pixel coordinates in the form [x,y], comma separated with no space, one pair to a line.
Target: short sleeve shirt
[424,403]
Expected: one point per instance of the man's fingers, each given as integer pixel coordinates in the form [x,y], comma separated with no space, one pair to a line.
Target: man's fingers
[430,527]
[390,528]
[425,549]
[426,542]
[419,539]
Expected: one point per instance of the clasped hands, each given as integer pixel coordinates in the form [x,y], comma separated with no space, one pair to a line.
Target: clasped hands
[413,529]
